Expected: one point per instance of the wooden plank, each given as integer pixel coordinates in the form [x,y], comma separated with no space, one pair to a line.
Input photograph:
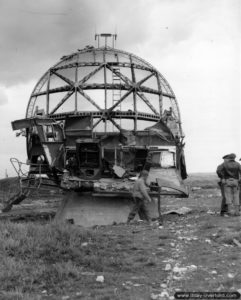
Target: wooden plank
[96,64]
[160,95]
[87,97]
[105,82]
[134,93]
[121,76]
[117,114]
[47,98]
[96,123]
[70,82]
[66,97]
[75,89]
[101,86]
[114,123]
[121,99]
[142,96]
[91,74]
[139,83]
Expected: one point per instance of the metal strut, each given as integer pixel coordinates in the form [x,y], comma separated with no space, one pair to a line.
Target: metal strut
[116,94]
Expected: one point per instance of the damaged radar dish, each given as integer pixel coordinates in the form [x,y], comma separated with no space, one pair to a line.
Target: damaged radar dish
[94,121]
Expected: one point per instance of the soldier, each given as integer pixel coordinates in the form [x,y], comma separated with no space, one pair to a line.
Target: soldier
[240,193]
[224,208]
[140,197]
[230,173]
[72,165]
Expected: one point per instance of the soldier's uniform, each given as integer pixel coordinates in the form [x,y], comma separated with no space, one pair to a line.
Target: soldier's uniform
[140,197]
[224,207]
[240,193]
[230,173]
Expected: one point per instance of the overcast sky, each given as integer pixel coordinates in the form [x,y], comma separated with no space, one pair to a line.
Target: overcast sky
[195,44]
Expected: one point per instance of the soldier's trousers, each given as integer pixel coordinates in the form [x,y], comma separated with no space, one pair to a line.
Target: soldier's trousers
[140,207]
[224,207]
[240,195]
[231,195]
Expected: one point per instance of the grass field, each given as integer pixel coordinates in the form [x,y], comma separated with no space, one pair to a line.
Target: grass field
[195,252]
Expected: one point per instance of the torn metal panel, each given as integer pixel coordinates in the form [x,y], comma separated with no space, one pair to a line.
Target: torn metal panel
[28,123]
[179,211]
[119,171]
[54,152]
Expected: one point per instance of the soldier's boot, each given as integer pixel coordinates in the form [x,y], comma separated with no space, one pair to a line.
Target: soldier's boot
[229,209]
[130,218]
[237,213]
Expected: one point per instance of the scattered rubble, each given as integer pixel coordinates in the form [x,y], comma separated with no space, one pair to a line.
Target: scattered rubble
[236,242]
[179,211]
[162,296]
[211,212]
[84,244]
[196,188]
[168,267]
[119,171]
[155,296]
[181,270]
[176,269]
[100,278]
[137,284]
[176,278]
[87,273]
[192,268]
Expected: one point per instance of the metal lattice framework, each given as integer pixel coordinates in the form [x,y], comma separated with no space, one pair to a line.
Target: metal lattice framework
[144,91]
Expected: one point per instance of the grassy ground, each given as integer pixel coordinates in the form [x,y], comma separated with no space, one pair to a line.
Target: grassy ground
[204,180]
[194,252]
[8,188]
